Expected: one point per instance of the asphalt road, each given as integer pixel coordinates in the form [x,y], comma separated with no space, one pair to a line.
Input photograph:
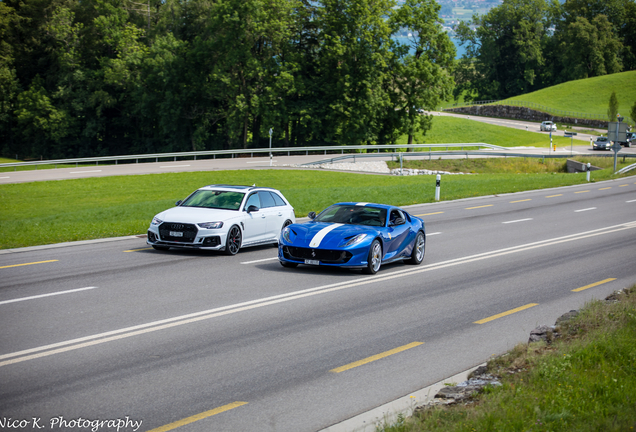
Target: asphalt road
[115,330]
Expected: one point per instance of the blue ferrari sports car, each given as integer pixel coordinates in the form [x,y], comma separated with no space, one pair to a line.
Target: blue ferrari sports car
[354,235]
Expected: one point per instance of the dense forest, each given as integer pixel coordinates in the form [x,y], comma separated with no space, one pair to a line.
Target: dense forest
[106,77]
[110,77]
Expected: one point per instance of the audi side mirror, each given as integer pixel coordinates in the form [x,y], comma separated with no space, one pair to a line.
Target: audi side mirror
[252,208]
[178,203]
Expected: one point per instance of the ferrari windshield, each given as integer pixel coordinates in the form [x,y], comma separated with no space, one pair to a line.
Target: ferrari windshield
[353,214]
[226,200]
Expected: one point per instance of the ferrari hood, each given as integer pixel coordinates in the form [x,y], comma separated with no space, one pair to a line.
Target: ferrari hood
[326,235]
[196,215]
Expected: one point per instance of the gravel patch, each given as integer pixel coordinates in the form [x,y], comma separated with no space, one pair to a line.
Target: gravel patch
[373,167]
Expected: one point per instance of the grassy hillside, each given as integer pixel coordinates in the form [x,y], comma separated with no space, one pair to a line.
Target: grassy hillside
[590,95]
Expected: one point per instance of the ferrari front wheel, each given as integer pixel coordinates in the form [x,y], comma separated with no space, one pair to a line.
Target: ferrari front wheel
[419,249]
[375,258]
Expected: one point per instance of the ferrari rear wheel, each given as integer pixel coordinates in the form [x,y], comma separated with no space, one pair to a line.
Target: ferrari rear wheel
[375,258]
[419,249]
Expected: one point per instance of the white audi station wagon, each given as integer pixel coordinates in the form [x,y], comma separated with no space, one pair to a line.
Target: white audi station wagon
[222,217]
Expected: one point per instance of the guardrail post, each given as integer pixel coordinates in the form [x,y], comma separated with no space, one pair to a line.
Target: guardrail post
[437,186]
[588,171]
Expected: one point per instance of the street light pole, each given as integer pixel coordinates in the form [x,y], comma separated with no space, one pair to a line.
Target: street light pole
[270,146]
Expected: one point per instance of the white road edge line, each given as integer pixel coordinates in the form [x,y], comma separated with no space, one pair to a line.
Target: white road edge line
[127,332]
[518,220]
[46,295]
[174,166]
[84,172]
[587,209]
[630,201]
[260,260]
[435,233]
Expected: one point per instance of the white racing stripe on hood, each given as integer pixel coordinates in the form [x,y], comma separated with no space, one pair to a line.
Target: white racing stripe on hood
[315,242]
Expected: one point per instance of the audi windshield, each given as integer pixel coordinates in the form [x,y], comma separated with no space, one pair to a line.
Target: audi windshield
[225,200]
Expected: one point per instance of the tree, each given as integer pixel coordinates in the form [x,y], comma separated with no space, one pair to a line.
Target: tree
[632,112]
[507,48]
[613,107]
[350,71]
[420,77]
[589,49]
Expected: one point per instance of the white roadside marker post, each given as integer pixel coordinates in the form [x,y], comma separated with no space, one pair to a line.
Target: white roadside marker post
[437,186]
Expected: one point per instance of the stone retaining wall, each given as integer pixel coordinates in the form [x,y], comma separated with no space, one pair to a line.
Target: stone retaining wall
[522,113]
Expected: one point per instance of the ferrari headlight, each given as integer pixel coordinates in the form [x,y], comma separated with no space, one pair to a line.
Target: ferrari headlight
[210,225]
[286,234]
[355,240]
[156,221]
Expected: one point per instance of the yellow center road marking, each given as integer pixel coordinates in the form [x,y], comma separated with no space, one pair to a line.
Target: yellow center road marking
[376,357]
[503,314]
[513,202]
[581,191]
[552,196]
[594,284]
[198,417]
[26,264]
[623,185]
[137,250]
[605,188]
[429,214]
[472,208]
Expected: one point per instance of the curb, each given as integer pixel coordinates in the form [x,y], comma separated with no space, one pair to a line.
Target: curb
[388,413]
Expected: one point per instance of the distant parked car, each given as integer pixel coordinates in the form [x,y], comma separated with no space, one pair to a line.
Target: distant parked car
[548,126]
[602,143]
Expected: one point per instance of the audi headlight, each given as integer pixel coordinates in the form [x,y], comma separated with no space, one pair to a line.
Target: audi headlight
[156,221]
[355,240]
[210,225]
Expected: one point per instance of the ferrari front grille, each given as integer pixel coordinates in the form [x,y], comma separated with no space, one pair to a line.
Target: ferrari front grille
[324,255]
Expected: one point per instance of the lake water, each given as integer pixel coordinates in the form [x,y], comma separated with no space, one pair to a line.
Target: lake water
[460,50]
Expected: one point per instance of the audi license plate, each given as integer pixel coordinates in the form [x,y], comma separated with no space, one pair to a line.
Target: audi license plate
[176,234]
[312,262]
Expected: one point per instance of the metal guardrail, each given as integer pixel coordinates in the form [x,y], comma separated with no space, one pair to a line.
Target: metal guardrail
[538,107]
[465,153]
[626,169]
[214,153]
